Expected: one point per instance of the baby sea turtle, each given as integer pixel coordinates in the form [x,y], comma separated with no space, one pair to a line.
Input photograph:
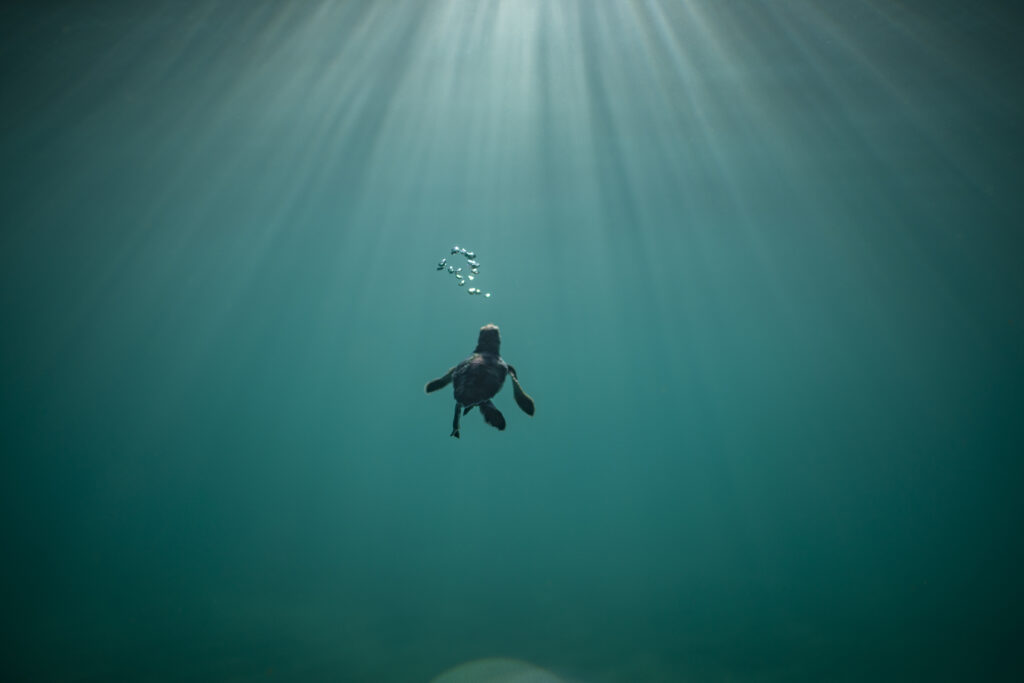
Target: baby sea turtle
[480,377]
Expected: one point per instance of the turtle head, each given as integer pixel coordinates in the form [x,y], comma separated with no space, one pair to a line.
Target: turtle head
[489,341]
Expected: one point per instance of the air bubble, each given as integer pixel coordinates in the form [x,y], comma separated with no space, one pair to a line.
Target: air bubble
[472,265]
[487,295]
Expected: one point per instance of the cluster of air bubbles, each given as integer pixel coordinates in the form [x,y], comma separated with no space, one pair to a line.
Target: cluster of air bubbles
[474,269]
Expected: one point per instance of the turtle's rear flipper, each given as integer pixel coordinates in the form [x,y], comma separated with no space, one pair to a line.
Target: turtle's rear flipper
[455,422]
[492,415]
[440,382]
[522,399]
[467,409]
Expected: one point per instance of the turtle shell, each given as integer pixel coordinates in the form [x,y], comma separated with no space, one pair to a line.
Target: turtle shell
[479,378]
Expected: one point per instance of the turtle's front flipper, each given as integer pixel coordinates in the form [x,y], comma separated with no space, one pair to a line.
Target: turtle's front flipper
[492,415]
[522,399]
[440,382]
[455,423]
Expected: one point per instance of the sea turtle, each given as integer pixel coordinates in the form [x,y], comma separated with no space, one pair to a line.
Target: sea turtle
[480,377]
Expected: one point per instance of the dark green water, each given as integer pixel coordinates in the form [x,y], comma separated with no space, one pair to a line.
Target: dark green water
[759,264]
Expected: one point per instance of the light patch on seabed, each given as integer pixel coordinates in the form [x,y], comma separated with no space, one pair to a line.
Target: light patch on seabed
[497,671]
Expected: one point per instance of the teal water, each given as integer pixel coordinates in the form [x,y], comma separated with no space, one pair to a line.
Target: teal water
[758,263]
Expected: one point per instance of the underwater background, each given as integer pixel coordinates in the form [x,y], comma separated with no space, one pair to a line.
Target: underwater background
[757,262]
